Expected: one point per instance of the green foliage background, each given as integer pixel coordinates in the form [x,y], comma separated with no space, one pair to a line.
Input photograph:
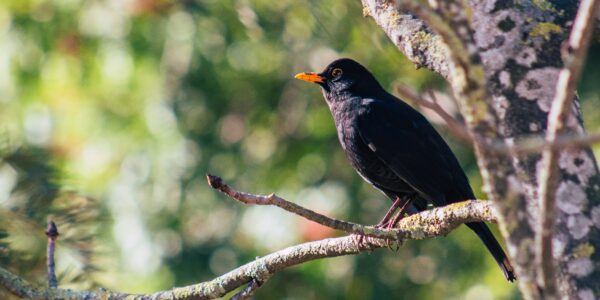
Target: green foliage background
[113,111]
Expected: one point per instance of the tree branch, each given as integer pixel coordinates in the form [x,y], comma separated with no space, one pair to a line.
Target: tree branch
[467,76]
[409,34]
[272,199]
[455,127]
[423,221]
[523,146]
[427,224]
[576,48]
[535,144]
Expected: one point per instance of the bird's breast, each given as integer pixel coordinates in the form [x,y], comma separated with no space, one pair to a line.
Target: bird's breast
[363,159]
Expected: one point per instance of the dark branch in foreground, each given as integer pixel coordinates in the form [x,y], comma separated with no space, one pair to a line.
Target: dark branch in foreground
[427,224]
[52,233]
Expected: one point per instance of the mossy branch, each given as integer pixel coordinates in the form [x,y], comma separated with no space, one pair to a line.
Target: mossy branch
[427,224]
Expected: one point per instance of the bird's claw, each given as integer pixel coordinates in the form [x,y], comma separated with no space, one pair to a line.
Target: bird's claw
[362,241]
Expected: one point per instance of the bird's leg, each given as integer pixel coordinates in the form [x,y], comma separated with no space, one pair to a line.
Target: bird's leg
[400,215]
[392,223]
[384,223]
[388,222]
[389,213]
[385,220]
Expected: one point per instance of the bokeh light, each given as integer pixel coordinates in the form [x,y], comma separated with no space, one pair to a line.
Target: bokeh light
[114,111]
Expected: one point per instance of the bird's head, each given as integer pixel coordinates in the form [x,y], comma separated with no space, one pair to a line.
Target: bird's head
[343,76]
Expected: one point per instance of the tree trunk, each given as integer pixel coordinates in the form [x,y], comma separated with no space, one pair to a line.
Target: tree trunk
[520,49]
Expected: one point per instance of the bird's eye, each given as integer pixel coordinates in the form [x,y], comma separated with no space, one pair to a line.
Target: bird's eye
[337,72]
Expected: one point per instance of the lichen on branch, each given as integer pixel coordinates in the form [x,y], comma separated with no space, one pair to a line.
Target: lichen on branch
[427,224]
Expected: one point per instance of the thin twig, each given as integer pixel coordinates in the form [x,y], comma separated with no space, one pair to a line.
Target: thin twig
[576,47]
[52,233]
[455,127]
[400,232]
[272,199]
[536,144]
[523,146]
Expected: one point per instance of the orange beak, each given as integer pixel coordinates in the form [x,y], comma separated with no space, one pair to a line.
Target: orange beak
[310,77]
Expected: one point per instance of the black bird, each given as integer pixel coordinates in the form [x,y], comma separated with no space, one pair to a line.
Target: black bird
[394,148]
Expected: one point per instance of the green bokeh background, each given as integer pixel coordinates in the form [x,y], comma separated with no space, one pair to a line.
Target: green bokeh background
[113,112]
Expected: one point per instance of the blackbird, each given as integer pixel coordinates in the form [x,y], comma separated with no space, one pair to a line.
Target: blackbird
[395,149]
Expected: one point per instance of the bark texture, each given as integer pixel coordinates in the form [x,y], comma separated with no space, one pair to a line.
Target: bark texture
[519,46]
[431,223]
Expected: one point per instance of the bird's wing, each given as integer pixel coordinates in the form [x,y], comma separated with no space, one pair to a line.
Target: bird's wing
[404,140]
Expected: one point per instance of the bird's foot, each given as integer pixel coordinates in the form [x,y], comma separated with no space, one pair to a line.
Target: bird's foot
[362,241]
[391,244]
[391,224]
[389,221]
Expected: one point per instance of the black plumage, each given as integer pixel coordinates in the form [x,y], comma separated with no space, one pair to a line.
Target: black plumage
[394,148]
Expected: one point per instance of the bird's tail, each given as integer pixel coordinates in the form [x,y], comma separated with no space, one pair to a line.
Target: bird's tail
[494,247]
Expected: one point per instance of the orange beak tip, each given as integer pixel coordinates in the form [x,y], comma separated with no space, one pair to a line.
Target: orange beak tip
[310,77]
